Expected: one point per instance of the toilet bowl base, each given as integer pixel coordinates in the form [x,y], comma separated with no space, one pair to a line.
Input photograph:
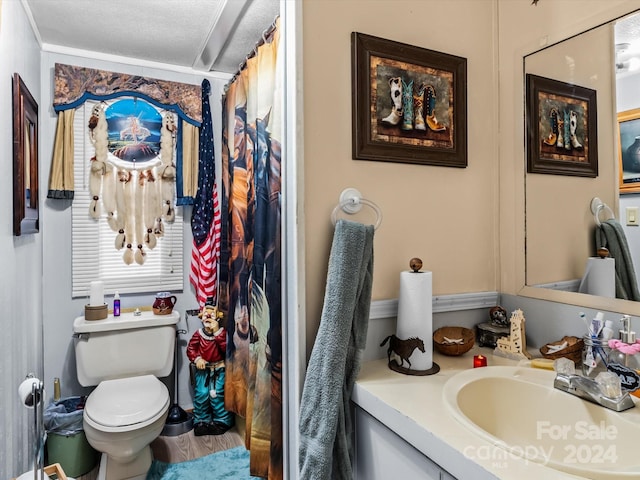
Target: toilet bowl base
[134,470]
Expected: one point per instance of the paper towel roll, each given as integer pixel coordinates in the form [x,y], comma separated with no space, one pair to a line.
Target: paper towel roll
[415,316]
[96,294]
[599,277]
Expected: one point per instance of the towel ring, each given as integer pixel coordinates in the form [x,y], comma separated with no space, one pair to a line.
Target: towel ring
[351,202]
[598,206]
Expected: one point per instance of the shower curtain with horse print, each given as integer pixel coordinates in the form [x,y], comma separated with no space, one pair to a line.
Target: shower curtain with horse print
[250,253]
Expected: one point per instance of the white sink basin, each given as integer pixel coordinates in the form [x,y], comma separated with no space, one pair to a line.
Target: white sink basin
[519,412]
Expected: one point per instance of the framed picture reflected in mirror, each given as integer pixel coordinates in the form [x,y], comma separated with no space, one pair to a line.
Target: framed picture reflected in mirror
[561,123]
[629,150]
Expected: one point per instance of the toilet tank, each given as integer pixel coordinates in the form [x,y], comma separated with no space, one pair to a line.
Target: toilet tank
[124,346]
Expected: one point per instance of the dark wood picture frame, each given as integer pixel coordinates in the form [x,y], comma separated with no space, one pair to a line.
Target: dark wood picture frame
[628,153]
[434,103]
[561,126]
[25,160]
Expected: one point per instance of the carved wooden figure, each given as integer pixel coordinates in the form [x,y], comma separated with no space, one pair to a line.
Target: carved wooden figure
[515,345]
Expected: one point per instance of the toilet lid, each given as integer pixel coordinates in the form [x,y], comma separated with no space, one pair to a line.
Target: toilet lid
[126,401]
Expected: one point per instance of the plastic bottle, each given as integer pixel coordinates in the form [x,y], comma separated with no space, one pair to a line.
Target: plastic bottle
[56,389]
[607,331]
[116,305]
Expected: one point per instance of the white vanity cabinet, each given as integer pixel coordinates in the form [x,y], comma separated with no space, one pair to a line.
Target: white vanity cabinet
[405,430]
[382,455]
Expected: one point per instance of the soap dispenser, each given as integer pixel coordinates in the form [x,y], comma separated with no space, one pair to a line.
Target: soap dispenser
[624,358]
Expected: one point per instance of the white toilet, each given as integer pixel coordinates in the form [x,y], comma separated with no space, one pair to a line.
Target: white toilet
[124,356]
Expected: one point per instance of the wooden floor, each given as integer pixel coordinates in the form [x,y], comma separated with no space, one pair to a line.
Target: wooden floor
[185,447]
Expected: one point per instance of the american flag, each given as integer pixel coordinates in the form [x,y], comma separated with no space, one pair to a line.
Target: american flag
[205,218]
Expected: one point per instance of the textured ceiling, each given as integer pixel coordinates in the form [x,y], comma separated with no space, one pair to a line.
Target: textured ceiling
[627,38]
[201,34]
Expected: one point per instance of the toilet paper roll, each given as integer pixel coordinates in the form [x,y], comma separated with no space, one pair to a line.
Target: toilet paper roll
[599,277]
[25,392]
[96,294]
[415,316]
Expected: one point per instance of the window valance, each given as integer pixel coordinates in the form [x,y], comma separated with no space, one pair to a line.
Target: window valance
[74,85]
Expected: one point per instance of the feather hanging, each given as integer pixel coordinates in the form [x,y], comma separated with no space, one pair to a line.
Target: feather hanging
[168,181]
[138,213]
[127,182]
[151,209]
[109,197]
[121,181]
[168,175]
[128,255]
[95,185]
[120,240]
[139,255]
[99,136]
[158,229]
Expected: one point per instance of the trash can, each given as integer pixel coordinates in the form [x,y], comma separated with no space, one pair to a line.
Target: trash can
[66,441]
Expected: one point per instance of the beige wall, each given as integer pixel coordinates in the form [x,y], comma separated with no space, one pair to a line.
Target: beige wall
[446,216]
[467,225]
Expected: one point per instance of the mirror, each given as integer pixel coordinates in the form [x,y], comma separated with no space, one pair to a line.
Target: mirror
[560,227]
[25,159]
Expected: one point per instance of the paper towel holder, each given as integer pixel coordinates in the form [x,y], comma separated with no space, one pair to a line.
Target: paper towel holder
[415,264]
[402,349]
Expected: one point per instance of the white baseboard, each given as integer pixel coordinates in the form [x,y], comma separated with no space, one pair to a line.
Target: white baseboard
[441,303]
[566,286]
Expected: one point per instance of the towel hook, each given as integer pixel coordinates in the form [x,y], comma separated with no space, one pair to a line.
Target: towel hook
[598,206]
[351,202]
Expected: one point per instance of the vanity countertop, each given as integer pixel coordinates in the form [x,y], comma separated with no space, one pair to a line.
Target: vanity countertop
[413,408]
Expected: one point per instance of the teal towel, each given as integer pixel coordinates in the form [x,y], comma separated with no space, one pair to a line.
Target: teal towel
[326,443]
[231,464]
[610,234]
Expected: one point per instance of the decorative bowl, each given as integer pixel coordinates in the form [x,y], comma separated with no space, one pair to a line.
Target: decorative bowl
[573,350]
[443,334]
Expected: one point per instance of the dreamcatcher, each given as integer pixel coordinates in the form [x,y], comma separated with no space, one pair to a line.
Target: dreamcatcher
[133,173]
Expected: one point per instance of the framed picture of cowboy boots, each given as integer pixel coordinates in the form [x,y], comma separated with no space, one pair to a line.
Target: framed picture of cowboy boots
[561,126]
[629,150]
[409,104]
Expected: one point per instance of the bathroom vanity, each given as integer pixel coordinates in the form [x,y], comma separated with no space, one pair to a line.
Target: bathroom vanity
[406,427]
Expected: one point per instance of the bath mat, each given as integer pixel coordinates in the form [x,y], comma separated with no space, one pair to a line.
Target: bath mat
[232,464]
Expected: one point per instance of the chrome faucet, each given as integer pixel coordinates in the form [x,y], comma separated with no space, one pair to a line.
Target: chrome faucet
[590,390]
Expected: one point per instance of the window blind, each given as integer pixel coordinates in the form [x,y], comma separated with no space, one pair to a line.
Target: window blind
[94,256]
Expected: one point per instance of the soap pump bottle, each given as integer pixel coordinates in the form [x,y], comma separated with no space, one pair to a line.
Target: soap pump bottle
[626,335]
[116,305]
[624,358]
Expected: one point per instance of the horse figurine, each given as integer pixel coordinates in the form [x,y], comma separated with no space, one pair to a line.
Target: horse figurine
[402,348]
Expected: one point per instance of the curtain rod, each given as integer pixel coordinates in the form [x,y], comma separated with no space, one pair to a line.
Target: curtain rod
[264,39]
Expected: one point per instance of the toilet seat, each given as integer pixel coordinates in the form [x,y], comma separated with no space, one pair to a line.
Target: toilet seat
[126,404]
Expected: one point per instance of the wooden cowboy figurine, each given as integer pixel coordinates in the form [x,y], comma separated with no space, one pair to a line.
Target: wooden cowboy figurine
[206,350]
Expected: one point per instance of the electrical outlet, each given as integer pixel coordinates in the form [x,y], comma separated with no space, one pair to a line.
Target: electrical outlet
[632,216]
